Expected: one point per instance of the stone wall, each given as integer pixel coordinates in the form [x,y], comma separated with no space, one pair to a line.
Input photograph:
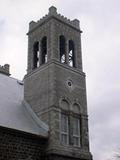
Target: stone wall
[17,145]
[44,90]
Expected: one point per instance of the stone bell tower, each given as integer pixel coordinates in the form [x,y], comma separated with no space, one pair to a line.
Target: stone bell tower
[55,85]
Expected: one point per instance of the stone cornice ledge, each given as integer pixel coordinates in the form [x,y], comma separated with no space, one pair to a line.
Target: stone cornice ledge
[85,155]
[53,61]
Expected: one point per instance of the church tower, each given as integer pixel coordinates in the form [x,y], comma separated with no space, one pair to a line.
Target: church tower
[55,85]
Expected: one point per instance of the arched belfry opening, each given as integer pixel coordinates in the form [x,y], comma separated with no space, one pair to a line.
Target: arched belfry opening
[36,54]
[44,57]
[62,49]
[71,54]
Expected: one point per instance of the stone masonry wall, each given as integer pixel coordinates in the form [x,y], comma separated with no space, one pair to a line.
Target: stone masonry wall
[16,145]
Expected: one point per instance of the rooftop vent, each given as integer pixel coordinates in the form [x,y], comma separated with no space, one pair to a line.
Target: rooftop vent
[5,69]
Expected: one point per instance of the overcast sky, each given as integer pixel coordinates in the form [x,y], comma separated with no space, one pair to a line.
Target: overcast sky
[100,23]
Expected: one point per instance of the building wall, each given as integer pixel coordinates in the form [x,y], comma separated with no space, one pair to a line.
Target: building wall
[16,145]
[45,88]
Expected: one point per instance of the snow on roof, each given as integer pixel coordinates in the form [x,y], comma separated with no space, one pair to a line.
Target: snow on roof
[13,113]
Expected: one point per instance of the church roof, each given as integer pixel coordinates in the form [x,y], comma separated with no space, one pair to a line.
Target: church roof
[14,112]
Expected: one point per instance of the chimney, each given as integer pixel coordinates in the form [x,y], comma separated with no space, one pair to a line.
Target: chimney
[5,69]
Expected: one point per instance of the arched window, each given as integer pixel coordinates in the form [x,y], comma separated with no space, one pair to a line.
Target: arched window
[64,105]
[44,50]
[76,108]
[36,53]
[62,49]
[70,124]
[71,54]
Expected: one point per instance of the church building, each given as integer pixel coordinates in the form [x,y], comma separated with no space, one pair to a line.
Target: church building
[44,117]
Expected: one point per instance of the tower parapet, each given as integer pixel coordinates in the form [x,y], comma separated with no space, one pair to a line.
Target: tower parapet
[53,14]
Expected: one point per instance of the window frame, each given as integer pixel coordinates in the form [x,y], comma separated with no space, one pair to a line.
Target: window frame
[62,132]
[79,132]
[70,128]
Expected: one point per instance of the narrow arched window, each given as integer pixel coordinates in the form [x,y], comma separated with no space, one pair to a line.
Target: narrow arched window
[62,49]
[36,53]
[44,50]
[71,54]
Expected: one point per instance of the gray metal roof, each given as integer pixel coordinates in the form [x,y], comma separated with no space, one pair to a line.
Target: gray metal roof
[16,113]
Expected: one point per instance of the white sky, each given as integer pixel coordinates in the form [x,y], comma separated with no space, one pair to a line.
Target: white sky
[100,23]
